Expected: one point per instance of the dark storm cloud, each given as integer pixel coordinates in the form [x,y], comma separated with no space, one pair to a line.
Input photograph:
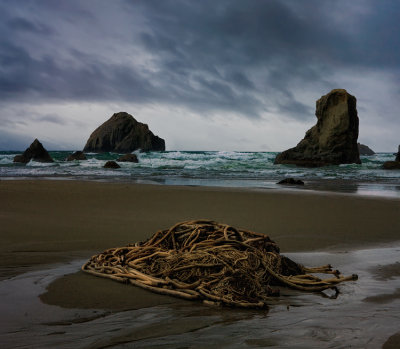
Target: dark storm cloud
[23,24]
[246,57]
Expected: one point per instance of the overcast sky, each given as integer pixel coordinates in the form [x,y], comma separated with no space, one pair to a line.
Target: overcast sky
[204,75]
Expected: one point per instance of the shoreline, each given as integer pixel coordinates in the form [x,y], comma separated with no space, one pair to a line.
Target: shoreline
[377,189]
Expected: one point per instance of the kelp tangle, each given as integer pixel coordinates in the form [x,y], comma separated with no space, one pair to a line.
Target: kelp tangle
[211,262]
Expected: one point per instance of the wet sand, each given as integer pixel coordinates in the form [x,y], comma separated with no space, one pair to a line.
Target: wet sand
[45,222]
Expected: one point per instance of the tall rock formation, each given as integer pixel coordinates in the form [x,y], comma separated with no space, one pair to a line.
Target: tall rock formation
[35,152]
[123,134]
[333,140]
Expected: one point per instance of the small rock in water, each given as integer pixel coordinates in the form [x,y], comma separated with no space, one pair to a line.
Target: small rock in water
[128,158]
[78,155]
[393,165]
[291,181]
[111,164]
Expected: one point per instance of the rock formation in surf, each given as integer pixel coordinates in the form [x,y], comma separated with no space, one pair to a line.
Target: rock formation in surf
[291,181]
[111,164]
[365,149]
[78,155]
[393,165]
[333,140]
[35,152]
[128,158]
[123,134]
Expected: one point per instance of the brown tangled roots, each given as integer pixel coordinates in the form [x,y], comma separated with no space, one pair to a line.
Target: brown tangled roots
[212,262]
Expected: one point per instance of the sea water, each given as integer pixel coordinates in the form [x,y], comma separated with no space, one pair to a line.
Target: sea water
[213,168]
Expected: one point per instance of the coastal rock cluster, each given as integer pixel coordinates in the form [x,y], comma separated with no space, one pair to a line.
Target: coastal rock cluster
[123,134]
[333,140]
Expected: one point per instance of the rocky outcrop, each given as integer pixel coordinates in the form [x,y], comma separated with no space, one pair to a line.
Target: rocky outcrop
[393,165]
[365,150]
[35,152]
[78,155]
[128,158]
[123,134]
[111,164]
[333,140]
[291,181]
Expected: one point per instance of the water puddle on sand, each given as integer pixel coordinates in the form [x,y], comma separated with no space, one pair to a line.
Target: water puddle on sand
[364,315]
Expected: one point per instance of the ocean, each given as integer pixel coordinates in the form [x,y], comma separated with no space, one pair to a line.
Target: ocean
[213,168]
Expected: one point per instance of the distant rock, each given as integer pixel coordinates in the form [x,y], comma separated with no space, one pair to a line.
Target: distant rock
[35,152]
[291,181]
[128,158]
[78,155]
[123,134]
[365,150]
[333,140]
[111,164]
[393,165]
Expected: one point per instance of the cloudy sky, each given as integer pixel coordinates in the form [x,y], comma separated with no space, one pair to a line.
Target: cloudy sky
[204,75]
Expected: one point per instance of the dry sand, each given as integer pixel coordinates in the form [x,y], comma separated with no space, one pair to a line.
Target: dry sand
[44,222]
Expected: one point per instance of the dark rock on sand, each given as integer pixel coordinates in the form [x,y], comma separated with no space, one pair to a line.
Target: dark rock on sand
[365,150]
[291,181]
[333,140]
[393,165]
[35,152]
[111,164]
[128,158]
[78,155]
[123,134]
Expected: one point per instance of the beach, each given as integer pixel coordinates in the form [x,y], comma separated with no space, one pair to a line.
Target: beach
[56,222]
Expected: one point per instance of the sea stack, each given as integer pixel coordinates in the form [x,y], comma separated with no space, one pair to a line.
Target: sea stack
[123,134]
[333,140]
[35,152]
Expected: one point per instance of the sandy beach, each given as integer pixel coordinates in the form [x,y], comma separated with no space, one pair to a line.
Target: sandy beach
[46,222]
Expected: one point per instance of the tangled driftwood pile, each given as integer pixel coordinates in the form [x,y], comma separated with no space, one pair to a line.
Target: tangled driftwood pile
[212,262]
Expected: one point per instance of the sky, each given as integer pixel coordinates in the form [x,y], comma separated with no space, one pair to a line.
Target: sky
[204,75]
